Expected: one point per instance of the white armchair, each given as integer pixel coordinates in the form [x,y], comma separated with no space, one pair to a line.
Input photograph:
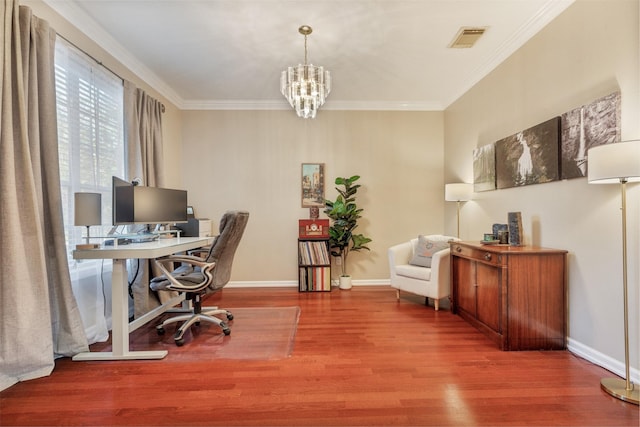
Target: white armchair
[431,282]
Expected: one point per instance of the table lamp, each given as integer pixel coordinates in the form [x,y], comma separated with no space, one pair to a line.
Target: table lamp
[458,192]
[87,212]
[613,164]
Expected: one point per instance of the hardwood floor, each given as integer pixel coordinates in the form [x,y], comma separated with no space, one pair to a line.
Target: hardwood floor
[360,358]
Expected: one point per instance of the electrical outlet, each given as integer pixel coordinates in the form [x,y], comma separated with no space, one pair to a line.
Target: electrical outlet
[338,261]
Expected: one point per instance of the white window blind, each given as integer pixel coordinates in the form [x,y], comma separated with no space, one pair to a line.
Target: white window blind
[91,145]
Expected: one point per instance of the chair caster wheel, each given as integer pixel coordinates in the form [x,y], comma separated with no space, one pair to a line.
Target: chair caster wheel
[179,342]
[160,330]
[225,328]
[229,316]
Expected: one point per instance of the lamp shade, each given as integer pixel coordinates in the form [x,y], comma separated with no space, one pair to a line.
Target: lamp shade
[610,163]
[458,192]
[87,209]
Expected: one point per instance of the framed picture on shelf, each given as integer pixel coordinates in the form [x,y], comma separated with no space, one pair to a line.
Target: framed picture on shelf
[312,185]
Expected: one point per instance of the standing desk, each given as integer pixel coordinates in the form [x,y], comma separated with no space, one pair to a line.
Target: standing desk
[121,327]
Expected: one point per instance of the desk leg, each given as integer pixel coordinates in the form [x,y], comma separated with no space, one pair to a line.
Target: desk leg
[120,322]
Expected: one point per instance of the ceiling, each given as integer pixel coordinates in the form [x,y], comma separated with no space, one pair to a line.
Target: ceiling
[382,54]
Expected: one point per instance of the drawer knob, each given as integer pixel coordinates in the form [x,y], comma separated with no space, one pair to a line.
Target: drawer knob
[487,256]
[458,249]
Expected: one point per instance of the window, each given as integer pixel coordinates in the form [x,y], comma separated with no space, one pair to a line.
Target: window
[91,145]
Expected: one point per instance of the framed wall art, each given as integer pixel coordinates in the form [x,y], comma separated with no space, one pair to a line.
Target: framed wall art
[585,127]
[484,168]
[530,156]
[312,185]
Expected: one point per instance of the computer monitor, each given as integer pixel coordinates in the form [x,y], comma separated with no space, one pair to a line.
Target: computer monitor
[135,204]
[121,207]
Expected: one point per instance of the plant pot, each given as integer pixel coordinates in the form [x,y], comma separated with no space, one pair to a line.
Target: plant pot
[345,282]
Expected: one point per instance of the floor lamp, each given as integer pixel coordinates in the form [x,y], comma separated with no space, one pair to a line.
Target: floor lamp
[87,212]
[613,164]
[458,192]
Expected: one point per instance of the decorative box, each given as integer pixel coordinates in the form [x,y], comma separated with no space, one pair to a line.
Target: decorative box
[313,228]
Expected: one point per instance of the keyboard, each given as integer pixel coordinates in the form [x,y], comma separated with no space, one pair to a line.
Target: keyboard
[143,238]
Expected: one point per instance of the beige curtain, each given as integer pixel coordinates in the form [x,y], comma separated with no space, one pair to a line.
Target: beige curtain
[143,124]
[39,318]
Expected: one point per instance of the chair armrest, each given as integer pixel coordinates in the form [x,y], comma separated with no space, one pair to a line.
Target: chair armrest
[440,268]
[400,254]
[206,269]
[189,259]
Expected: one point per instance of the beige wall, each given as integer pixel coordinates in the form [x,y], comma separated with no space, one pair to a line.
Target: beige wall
[591,50]
[252,160]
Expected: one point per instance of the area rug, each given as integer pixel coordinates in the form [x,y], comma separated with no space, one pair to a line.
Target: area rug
[257,333]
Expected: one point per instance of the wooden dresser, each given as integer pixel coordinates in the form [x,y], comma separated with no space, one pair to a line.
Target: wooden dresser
[516,295]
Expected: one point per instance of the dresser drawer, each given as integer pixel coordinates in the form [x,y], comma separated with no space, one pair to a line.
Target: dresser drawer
[477,254]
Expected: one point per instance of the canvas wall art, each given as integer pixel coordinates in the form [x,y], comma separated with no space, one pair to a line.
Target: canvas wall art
[484,168]
[586,127]
[530,156]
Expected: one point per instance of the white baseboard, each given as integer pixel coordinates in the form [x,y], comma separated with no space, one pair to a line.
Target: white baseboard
[615,366]
[264,284]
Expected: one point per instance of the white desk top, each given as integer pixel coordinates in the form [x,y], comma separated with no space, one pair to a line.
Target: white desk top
[155,249]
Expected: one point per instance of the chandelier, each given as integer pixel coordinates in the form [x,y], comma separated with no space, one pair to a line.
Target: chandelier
[305,86]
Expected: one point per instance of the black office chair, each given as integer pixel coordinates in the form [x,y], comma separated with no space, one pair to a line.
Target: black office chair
[199,276]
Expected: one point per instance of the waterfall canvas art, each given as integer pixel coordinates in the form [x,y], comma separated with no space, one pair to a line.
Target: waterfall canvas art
[586,127]
[529,156]
[484,168]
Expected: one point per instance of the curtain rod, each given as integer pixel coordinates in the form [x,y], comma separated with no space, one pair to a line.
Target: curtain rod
[98,62]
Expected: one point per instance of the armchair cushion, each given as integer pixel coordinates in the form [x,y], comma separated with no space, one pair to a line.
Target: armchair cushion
[413,272]
[424,249]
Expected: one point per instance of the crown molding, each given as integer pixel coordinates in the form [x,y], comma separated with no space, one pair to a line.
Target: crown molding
[329,105]
[87,25]
[547,13]
[77,17]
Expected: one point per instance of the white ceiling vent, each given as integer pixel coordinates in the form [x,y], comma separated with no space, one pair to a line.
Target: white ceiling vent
[467,37]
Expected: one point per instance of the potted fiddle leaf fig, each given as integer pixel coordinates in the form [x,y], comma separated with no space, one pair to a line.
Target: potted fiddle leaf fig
[344,214]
